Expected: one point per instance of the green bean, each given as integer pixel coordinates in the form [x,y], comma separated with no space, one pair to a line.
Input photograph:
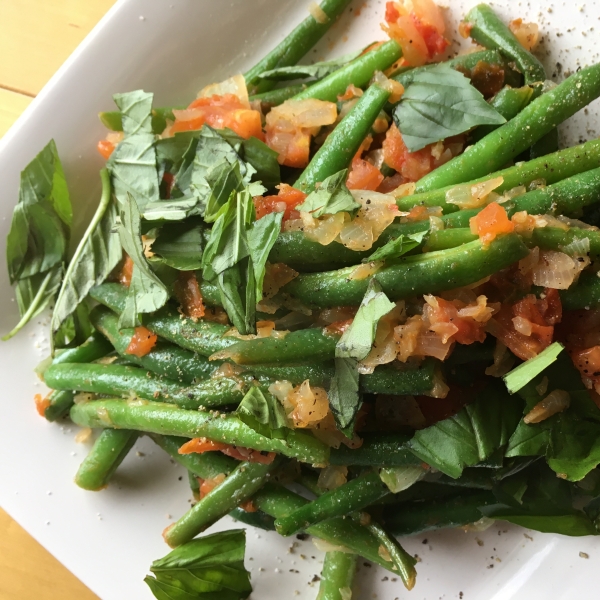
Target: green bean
[357,72]
[318,374]
[117,380]
[583,294]
[240,485]
[164,359]
[167,419]
[295,45]
[337,576]
[509,102]
[402,380]
[356,494]
[94,348]
[305,344]
[278,502]
[553,238]
[448,238]
[203,337]
[206,465]
[108,452]
[255,519]
[552,168]
[278,96]
[194,485]
[545,145]
[464,354]
[428,273]
[341,145]
[378,450]
[409,518]
[532,123]
[489,31]
[113,119]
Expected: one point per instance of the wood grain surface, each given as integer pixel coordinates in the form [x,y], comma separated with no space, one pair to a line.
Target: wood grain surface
[36,37]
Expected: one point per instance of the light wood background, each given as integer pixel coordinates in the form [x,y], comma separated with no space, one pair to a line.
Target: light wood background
[36,37]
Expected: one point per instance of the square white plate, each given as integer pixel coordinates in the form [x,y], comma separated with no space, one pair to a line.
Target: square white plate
[108,539]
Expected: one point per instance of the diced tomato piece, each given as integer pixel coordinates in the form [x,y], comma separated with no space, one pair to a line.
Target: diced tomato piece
[293,148]
[41,404]
[436,43]
[363,176]
[249,506]
[337,329]
[105,148]
[201,445]
[219,112]
[491,222]
[550,306]
[286,201]
[208,485]
[469,330]
[391,12]
[125,272]
[411,165]
[142,341]
[188,293]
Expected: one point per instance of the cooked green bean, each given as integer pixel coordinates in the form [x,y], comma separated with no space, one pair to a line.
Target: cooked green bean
[428,273]
[337,576]
[341,145]
[254,519]
[552,168]
[357,72]
[355,495]
[532,123]
[277,96]
[489,31]
[448,238]
[194,485]
[239,486]
[295,45]
[545,145]
[108,452]
[554,238]
[379,450]
[583,294]
[167,419]
[401,380]
[117,380]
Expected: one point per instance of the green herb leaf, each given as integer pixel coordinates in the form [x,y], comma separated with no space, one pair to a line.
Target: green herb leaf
[205,568]
[261,239]
[147,293]
[525,372]
[37,242]
[397,247]
[132,165]
[344,397]
[316,71]
[439,103]
[332,197]
[177,209]
[180,245]
[97,254]
[357,340]
[470,436]
[262,412]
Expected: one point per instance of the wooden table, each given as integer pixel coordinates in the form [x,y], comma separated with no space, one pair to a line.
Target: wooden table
[36,36]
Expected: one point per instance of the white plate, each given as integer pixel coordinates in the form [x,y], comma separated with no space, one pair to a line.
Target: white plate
[108,539]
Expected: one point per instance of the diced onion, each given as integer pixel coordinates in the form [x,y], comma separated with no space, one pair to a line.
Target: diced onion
[326,229]
[528,34]
[332,477]
[555,402]
[365,270]
[555,270]
[235,85]
[302,114]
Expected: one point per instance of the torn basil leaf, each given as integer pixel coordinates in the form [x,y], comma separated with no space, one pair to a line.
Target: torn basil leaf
[261,239]
[37,241]
[439,103]
[97,254]
[262,412]
[330,198]
[397,247]
[180,245]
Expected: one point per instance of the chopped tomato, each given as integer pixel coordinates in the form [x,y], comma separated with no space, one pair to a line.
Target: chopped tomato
[293,148]
[468,329]
[391,12]
[337,328]
[126,271]
[201,445]
[219,112]
[411,165]
[491,222]
[142,341]
[105,148]
[168,181]
[436,43]
[41,404]
[286,201]
[188,293]
[363,175]
[208,485]
[249,506]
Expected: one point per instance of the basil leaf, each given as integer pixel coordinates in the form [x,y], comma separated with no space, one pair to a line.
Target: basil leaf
[439,103]
[132,165]
[332,197]
[170,210]
[147,293]
[208,567]
[470,436]
[397,247]
[261,239]
[525,372]
[97,254]
[316,71]
[357,340]
[344,397]
[262,412]
[37,241]
[180,245]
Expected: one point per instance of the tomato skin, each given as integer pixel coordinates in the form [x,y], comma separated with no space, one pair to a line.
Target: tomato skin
[201,445]
[411,165]
[491,222]
[126,271]
[105,148]
[286,201]
[142,342]
[188,293]
[436,43]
